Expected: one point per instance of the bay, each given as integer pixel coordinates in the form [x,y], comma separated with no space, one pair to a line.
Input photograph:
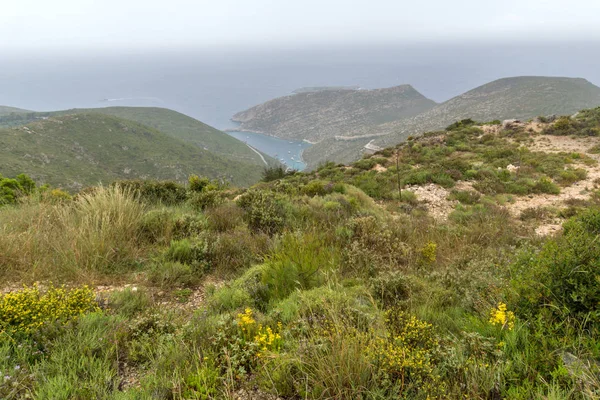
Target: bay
[288,152]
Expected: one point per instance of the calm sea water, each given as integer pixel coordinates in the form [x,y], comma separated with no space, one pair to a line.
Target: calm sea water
[286,151]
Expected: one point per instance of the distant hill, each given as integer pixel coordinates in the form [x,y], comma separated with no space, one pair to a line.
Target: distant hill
[73,151]
[5,110]
[322,114]
[519,97]
[182,127]
[324,88]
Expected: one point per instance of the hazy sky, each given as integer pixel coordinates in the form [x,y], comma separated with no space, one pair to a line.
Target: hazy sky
[49,24]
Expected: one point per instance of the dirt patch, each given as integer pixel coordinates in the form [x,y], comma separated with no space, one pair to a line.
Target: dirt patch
[435,198]
[379,168]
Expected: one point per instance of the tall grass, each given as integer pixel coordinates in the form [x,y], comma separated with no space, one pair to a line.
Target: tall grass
[95,234]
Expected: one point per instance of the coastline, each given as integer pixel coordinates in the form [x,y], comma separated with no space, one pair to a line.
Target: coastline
[241,129]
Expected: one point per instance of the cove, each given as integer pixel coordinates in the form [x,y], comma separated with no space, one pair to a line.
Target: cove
[288,152]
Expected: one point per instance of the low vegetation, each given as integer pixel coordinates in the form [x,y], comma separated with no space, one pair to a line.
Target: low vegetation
[324,285]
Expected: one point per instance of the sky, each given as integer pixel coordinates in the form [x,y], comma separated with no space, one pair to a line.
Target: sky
[138,24]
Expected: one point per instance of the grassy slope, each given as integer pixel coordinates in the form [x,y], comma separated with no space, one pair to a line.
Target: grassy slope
[85,149]
[182,127]
[5,110]
[519,97]
[371,298]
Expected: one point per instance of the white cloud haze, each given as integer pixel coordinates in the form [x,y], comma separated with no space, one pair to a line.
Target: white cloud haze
[44,24]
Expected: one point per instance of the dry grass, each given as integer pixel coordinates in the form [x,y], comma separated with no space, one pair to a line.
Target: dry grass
[95,234]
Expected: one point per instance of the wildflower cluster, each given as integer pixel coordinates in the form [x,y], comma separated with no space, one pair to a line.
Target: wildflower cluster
[267,339]
[264,338]
[408,355]
[500,316]
[30,308]
[246,320]
[428,252]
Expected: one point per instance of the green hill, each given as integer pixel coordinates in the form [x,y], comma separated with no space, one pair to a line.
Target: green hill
[519,97]
[321,114]
[182,127]
[73,151]
[5,110]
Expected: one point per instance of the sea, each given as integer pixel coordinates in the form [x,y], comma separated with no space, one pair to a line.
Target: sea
[213,84]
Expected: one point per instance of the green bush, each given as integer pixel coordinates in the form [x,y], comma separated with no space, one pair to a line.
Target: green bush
[129,301]
[564,125]
[205,199]
[465,123]
[12,189]
[170,274]
[192,252]
[545,185]
[264,211]
[189,225]
[224,217]
[391,289]
[562,279]
[235,251]
[465,196]
[157,226]
[300,261]
[317,188]
[274,173]
[198,184]
[164,192]
[365,164]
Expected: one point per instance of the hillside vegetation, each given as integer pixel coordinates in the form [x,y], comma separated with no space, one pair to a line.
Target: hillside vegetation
[5,110]
[317,115]
[169,122]
[74,151]
[343,134]
[186,129]
[413,273]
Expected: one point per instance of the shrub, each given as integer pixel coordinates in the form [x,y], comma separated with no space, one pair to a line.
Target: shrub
[317,188]
[189,225]
[170,274]
[188,251]
[247,290]
[408,355]
[129,301]
[300,261]
[165,192]
[535,213]
[225,217]
[570,176]
[205,199]
[365,164]
[461,124]
[275,172]
[562,278]
[465,196]
[391,289]
[373,246]
[12,189]
[157,226]
[545,185]
[197,184]
[56,196]
[235,251]
[30,308]
[264,211]
[428,253]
